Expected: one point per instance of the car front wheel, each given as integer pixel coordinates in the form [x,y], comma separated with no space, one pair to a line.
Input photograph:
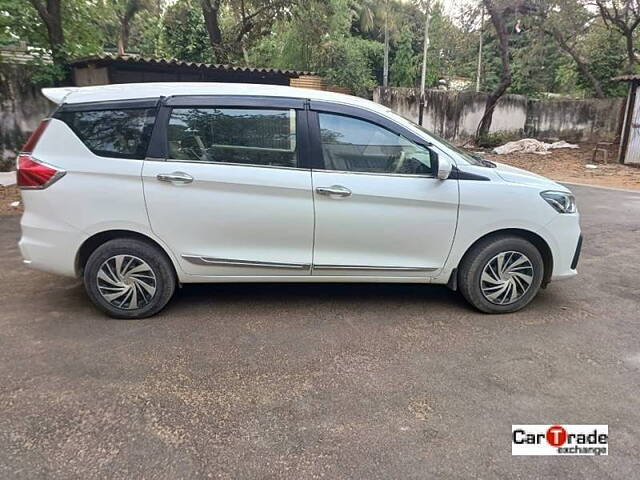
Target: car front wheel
[501,274]
[128,278]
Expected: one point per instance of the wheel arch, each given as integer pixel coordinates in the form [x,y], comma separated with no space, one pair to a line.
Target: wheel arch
[537,241]
[100,238]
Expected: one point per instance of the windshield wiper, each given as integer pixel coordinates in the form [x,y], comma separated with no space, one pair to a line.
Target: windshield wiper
[483,161]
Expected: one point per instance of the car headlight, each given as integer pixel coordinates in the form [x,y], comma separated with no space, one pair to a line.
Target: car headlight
[562,202]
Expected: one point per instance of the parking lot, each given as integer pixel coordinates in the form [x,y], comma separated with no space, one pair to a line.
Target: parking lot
[333,381]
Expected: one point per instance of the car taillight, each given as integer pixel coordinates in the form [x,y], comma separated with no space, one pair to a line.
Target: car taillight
[34,137]
[31,173]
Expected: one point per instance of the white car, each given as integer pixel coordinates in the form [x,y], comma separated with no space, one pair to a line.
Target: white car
[141,187]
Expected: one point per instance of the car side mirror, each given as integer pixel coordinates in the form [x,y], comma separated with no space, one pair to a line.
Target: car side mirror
[443,168]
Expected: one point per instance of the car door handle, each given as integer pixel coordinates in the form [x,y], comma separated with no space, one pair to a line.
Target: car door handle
[175,177]
[337,190]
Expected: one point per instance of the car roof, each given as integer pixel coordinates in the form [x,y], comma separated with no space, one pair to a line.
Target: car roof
[131,91]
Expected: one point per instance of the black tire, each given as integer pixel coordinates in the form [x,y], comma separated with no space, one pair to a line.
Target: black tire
[474,262]
[164,280]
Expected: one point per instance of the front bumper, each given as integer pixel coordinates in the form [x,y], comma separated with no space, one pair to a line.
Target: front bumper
[576,256]
[563,237]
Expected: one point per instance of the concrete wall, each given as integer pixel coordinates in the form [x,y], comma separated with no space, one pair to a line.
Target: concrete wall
[591,119]
[455,115]
[22,106]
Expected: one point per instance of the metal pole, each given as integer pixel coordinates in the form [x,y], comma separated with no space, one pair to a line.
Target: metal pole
[425,48]
[479,72]
[385,74]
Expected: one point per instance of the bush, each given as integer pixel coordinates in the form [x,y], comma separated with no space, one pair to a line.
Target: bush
[348,62]
[495,139]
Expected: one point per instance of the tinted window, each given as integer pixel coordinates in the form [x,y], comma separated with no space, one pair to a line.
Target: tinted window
[233,135]
[350,144]
[113,133]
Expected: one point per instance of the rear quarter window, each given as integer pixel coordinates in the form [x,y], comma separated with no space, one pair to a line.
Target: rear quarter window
[120,133]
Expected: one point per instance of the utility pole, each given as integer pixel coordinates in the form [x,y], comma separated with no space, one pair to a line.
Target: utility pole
[385,73]
[425,48]
[479,72]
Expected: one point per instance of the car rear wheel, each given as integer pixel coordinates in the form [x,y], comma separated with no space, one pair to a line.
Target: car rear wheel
[129,278]
[501,274]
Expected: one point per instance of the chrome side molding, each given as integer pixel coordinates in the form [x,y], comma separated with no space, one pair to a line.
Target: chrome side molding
[229,262]
[379,268]
[198,260]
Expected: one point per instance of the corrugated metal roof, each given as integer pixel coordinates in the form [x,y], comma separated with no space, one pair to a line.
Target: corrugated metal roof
[627,78]
[140,60]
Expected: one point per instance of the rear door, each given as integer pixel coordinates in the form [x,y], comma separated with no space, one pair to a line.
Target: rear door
[230,194]
[379,209]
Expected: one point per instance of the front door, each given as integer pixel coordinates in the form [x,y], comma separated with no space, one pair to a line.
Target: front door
[379,209]
[231,200]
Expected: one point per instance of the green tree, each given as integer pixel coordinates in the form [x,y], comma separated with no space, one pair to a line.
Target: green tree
[404,66]
[146,37]
[234,25]
[126,11]
[184,34]
[317,36]
[347,62]
[606,54]
[58,29]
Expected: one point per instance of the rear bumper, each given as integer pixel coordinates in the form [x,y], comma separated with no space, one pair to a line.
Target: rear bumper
[48,248]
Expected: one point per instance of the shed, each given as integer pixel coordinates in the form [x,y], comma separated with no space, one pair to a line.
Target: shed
[110,68]
[629,152]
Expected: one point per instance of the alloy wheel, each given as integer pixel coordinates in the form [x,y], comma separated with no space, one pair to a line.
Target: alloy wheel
[126,282]
[506,277]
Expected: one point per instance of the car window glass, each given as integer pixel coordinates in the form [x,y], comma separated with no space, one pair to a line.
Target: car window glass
[354,145]
[113,133]
[233,135]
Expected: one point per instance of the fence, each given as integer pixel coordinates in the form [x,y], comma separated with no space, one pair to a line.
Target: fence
[455,115]
[22,106]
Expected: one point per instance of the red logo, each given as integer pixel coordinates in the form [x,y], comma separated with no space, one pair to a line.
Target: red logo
[556,436]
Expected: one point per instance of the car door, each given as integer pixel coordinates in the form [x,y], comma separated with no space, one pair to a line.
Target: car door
[227,189]
[380,211]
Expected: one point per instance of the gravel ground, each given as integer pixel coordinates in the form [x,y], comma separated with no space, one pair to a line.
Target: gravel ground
[569,165]
[322,381]
[8,196]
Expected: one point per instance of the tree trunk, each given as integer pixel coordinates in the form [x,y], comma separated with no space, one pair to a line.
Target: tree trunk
[425,49]
[123,39]
[51,16]
[210,12]
[631,56]
[582,66]
[56,34]
[505,73]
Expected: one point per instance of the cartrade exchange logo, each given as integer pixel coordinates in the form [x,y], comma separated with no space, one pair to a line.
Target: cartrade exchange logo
[559,440]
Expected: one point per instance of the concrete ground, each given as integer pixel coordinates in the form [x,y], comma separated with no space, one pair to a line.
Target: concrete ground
[333,381]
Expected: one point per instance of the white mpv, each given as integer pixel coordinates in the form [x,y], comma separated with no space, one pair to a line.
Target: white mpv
[139,188]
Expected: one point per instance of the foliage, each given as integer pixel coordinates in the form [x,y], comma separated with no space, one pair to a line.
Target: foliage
[405,66]
[184,33]
[347,62]
[342,39]
[317,37]
[147,34]
[605,51]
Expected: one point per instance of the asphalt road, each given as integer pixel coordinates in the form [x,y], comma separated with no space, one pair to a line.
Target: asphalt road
[333,381]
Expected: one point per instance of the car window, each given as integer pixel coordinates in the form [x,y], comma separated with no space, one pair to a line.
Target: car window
[233,135]
[354,145]
[113,133]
